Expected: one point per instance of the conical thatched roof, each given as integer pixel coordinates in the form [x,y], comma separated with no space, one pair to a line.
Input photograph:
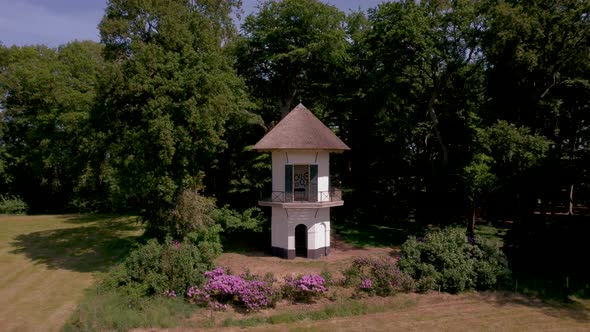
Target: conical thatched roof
[300,129]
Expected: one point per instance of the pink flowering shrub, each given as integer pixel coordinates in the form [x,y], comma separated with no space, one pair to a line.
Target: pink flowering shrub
[203,299]
[221,289]
[366,284]
[304,288]
[377,276]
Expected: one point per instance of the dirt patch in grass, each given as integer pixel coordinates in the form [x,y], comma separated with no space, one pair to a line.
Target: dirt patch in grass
[341,254]
[489,311]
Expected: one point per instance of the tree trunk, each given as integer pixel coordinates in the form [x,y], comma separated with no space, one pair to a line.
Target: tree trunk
[286,104]
[434,118]
[471,222]
[571,209]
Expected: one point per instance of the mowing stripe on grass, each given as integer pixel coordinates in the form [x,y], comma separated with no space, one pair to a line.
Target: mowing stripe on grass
[342,309]
[47,261]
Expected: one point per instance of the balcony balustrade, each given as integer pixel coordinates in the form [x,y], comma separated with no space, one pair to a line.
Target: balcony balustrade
[304,198]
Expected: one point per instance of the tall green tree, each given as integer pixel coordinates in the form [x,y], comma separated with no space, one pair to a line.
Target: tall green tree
[5,178]
[424,74]
[538,76]
[507,159]
[431,51]
[46,96]
[166,99]
[291,49]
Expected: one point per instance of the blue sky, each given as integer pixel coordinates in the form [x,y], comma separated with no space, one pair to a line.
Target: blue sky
[56,22]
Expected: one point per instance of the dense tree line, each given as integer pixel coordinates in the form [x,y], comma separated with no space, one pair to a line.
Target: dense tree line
[447,106]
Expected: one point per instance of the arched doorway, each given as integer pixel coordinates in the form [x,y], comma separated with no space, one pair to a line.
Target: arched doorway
[301,240]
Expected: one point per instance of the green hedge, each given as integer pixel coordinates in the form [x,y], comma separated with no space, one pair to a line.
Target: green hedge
[449,261]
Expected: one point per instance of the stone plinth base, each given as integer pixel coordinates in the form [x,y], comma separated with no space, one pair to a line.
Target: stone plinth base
[290,254]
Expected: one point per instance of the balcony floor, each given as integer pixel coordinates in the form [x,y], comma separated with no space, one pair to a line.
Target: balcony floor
[302,204]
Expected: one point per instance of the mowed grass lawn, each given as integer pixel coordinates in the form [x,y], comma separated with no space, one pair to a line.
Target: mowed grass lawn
[488,311]
[46,263]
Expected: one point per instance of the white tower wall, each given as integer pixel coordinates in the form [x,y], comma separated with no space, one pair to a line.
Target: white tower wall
[301,157]
[317,222]
[316,219]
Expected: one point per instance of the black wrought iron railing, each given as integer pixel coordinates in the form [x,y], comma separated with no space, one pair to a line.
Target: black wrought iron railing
[331,195]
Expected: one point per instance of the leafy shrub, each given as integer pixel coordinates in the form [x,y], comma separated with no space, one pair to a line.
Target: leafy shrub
[450,261]
[232,221]
[328,278]
[191,213]
[248,291]
[12,205]
[377,276]
[304,288]
[167,268]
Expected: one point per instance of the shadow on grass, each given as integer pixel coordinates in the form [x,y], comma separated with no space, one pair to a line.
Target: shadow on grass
[367,235]
[94,247]
[548,255]
[121,221]
[559,309]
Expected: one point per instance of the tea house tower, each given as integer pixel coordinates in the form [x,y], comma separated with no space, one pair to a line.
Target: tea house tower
[301,196]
